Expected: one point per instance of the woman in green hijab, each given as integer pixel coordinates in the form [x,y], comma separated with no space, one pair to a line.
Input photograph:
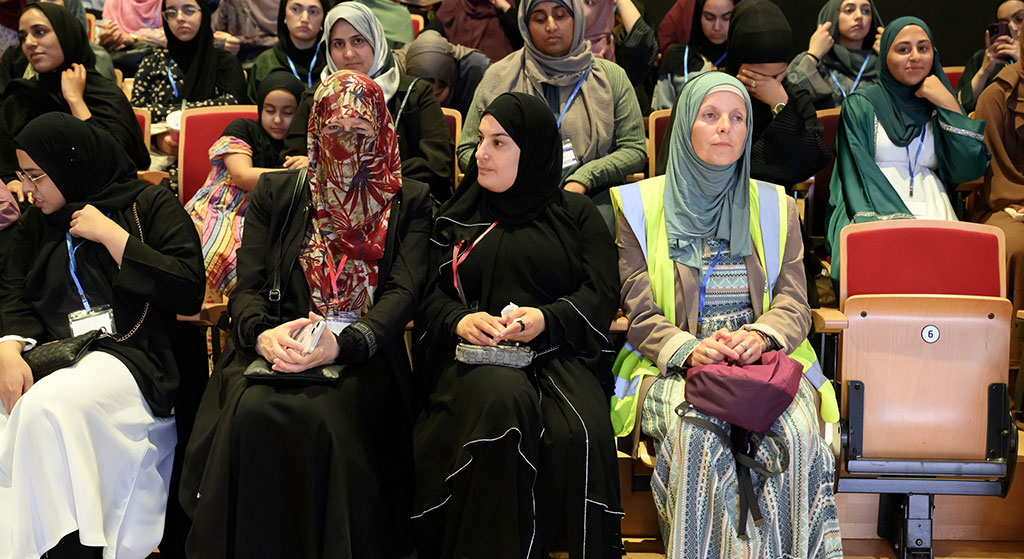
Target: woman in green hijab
[901,169]
[695,292]
[840,56]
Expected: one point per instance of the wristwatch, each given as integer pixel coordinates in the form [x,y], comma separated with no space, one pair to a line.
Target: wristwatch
[778,109]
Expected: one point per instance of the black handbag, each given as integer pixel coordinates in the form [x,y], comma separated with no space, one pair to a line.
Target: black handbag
[259,371]
[58,354]
[61,354]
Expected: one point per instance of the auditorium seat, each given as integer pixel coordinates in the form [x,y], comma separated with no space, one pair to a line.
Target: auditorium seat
[200,128]
[923,330]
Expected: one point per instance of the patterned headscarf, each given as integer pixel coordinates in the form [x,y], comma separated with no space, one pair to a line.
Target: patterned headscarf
[352,178]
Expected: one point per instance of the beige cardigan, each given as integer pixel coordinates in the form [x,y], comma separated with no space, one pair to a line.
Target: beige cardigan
[787,321]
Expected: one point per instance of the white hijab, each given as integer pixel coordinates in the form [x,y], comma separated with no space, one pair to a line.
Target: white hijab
[384,70]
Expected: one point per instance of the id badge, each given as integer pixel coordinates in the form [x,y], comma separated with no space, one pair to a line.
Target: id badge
[339,320]
[97,318]
[568,156]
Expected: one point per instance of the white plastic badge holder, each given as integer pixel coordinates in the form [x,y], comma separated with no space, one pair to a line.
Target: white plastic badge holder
[96,318]
[339,320]
[568,156]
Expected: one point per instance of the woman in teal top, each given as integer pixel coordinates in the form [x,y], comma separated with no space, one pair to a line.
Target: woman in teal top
[901,169]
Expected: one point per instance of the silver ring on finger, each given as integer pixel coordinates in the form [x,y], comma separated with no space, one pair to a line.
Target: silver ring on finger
[707,352]
[753,84]
[745,348]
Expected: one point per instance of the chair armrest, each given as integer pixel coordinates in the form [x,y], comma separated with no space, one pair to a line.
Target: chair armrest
[645,452]
[153,177]
[971,186]
[1020,315]
[209,315]
[634,177]
[621,324]
[829,321]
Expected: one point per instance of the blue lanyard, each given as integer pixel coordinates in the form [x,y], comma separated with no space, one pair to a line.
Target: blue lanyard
[686,65]
[309,77]
[855,82]
[912,166]
[573,96]
[174,86]
[72,267]
[704,287]
[721,59]
[156,15]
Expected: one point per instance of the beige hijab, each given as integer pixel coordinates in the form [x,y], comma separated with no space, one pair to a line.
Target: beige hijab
[586,123]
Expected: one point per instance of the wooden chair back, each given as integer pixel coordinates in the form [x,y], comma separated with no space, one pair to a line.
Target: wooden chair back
[453,119]
[417,24]
[929,332]
[953,74]
[816,207]
[657,123]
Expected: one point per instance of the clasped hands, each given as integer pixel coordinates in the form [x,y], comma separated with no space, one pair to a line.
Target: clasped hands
[278,346]
[741,347]
[521,325]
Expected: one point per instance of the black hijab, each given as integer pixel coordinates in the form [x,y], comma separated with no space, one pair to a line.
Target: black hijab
[85,163]
[759,32]
[266,151]
[700,42]
[71,37]
[206,67]
[530,124]
[286,50]
[25,99]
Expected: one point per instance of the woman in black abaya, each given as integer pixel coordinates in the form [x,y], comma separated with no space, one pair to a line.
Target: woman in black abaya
[508,460]
[65,81]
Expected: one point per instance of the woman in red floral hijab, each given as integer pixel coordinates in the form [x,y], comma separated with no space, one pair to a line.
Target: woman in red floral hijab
[296,463]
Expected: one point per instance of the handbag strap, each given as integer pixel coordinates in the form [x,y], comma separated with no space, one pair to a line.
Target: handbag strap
[274,296]
[145,309]
[739,444]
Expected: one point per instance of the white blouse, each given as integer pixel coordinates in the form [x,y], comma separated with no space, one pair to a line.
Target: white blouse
[927,199]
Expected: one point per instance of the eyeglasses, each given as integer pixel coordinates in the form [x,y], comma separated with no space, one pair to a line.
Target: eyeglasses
[187,11]
[25,178]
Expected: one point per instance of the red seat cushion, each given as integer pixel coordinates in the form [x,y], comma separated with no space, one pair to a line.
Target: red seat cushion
[922,260]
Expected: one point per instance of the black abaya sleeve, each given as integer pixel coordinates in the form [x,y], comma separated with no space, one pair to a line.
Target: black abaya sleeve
[400,294]
[423,138]
[582,317]
[167,269]
[792,148]
[250,310]
[112,112]
[17,317]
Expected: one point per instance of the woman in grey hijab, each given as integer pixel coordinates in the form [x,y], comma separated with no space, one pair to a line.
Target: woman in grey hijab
[454,71]
[592,99]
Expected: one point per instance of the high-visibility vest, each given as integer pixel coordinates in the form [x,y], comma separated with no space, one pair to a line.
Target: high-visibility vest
[642,206]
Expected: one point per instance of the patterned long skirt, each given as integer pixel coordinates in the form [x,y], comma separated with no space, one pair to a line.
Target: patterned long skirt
[697,494]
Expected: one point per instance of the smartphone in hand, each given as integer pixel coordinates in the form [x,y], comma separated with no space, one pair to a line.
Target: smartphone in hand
[309,335]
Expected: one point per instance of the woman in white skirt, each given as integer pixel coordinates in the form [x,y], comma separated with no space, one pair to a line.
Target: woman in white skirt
[86,452]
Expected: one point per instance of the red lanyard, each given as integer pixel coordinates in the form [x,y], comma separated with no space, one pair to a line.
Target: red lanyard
[334,273]
[458,260]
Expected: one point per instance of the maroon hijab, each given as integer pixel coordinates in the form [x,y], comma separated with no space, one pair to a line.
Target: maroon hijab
[474,23]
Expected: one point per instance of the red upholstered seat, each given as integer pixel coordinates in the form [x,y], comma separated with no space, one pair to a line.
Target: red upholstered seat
[200,128]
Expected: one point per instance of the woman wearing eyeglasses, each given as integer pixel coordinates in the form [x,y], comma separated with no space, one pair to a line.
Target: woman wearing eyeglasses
[189,73]
[86,451]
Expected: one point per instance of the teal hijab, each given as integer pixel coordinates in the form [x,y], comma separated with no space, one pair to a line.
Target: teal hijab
[704,200]
[846,60]
[900,112]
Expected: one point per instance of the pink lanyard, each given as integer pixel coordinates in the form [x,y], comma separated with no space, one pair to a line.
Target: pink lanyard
[458,260]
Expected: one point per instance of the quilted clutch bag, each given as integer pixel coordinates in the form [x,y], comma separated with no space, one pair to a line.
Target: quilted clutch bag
[51,356]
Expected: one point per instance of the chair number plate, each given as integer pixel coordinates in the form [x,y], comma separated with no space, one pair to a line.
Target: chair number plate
[930,334]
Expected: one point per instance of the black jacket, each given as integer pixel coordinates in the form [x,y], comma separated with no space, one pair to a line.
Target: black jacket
[424,143]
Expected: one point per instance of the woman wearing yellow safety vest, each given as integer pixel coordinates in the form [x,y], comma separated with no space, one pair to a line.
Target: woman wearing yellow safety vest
[711,269]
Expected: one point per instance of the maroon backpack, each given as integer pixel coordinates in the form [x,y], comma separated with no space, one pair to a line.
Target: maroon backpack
[751,398]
